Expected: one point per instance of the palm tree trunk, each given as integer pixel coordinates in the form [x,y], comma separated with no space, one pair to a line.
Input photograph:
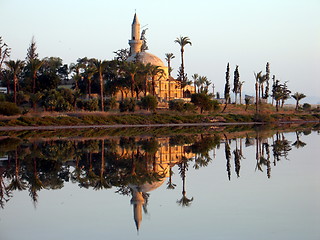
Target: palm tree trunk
[15,80]
[34,83]
[257,97]
[101,93]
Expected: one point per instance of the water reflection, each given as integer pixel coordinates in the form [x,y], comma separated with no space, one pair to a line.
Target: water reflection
[134,166]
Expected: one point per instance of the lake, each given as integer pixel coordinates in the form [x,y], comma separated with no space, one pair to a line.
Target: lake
[236,182]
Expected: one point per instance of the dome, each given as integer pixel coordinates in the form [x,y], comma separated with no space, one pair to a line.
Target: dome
[145,58]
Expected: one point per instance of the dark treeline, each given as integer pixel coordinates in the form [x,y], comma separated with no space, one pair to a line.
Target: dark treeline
[116,162]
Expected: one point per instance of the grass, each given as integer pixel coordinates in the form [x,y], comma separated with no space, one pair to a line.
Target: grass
[233,114]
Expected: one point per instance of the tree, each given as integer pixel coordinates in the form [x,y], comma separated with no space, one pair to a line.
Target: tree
[155,71]
[204,102]
[227,88]
[131,68]
[34,65]
[236,83]
[169,57]
[298,96]
[122,54]
[99,67]
[50,73]
[15,68]
[4,54]
[266,94]
[195,81]
[149,103]
[203,84]
[182,41]
[257,77]
[280,92]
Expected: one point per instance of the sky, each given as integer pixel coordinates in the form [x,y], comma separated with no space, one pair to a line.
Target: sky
[247,33]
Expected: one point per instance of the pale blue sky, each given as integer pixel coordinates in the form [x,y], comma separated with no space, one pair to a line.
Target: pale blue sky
[247,33]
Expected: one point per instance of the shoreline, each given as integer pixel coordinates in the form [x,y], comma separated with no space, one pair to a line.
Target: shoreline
[61,127]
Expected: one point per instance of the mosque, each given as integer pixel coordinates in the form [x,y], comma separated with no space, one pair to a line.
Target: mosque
[167,88]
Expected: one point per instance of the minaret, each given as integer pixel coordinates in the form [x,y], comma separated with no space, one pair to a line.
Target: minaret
[135,42]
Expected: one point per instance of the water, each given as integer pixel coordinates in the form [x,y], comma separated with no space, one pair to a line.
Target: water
[223,185]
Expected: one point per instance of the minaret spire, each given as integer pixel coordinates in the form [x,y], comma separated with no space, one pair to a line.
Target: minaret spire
[135,42]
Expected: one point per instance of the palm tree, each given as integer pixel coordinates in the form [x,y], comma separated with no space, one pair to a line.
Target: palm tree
[131,68]
[34,65]
[169,56]
[88,74]
[257,77]
[195,81]
[99,67]
[15,68]
[155,71]
[75,67]
[146,72]
[298,96]
[182,41]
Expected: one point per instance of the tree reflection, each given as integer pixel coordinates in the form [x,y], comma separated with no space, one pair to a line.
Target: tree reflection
[133,162]
[183,168]
[298,143]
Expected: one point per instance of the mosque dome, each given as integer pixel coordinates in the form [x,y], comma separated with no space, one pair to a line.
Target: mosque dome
[145,58]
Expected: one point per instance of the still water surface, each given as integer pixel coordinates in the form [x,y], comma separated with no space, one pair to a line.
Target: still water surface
[250,185]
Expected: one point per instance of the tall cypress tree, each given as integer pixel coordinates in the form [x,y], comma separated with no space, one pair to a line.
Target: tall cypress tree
[227,88]
[266,93]
[236,83]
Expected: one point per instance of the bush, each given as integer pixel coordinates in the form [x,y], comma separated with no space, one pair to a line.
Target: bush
[176,105]
[128,104]
[149,103]
[189,107]
[261,118]
[9,109]
[2,97]
[306,107]
[63,105]
[91,105]
[110,103]
[204,102]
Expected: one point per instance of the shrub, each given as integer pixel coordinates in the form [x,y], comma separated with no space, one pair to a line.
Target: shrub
[2,97]
[128,104]
[110,103]
[306,107]
[148,102]
[189,107]
[261,118]
[63,105]
[204,102]
[9,109]
[91,105]
[176,105]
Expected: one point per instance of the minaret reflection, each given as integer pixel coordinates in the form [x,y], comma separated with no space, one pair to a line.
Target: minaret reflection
[166,157]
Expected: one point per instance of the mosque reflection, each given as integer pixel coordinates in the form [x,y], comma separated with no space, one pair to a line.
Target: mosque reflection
[132,165]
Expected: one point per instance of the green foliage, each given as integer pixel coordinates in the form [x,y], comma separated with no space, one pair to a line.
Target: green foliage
[306,107]
[149,103]
[9,109]
[204,102]
[91,105]
[110,103]
[128,104]
[181,106]
[261,118]
[2,97]
[176,105]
